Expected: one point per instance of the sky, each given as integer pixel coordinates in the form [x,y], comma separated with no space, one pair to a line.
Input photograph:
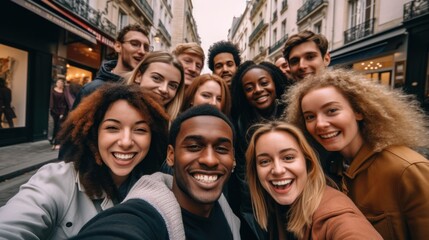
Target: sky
[214,18]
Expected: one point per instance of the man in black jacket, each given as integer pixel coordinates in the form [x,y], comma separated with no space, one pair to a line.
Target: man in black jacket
[131,45]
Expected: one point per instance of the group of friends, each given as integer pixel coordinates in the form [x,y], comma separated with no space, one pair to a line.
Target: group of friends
[153,149]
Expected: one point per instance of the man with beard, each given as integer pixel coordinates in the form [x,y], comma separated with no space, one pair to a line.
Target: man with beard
[189,204]
[224,59]
[191,56]
[131,46]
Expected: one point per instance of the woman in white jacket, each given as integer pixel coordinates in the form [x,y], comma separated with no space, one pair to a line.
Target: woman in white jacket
[115,135]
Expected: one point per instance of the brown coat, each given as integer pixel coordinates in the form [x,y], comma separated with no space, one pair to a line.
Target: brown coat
[391,188]
[338,218]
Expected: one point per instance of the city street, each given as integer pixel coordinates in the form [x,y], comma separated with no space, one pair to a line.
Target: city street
[10,187]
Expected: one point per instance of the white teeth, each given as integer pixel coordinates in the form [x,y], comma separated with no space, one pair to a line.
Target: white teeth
[329,135]
[282,182]
[206,178]
[123,156]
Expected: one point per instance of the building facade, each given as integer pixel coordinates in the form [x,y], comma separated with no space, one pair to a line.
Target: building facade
[384,39]
[45,40]
[184,27]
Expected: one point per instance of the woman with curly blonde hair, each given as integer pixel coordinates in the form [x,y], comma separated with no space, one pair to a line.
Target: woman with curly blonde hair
[290,197]
[161,73]
[374,129]
[115,135]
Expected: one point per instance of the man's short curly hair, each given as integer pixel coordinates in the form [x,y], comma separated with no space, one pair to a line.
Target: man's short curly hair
[131,27]
[223,47]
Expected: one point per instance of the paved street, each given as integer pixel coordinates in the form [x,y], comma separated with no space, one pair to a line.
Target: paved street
[19,162]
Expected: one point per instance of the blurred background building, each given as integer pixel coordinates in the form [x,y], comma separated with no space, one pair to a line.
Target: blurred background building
[45,40]
[384,39]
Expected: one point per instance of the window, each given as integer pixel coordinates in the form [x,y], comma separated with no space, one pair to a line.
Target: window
[317,28]
[274,35]
[123,19]
[360,11]
[283,28]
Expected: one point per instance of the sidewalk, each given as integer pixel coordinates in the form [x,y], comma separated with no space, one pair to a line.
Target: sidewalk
[20,158]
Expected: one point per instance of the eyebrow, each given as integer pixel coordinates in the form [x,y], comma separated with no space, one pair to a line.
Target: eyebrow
[282,151]
[200,138]
[325,105]
[117,121]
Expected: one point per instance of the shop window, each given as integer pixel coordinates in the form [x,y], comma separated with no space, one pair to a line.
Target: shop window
[13,69]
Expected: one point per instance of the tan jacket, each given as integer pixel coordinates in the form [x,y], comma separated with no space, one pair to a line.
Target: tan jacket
[391,188]
[338,218]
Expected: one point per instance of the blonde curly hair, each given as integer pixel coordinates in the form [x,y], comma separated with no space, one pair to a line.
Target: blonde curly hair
[390,117]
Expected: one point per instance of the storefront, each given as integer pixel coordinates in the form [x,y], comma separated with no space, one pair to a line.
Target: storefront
[38,45]
[380,57]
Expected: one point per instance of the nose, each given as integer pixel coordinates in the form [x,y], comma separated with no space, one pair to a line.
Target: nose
[213,101]
[321,122]
[278,168]
[126,140]
[192,67]
[225,68]
[163,87]
[302,63]
[258,88]
[208,157]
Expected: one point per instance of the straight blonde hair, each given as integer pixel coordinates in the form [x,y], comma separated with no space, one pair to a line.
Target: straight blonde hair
[300,214]
[173,107]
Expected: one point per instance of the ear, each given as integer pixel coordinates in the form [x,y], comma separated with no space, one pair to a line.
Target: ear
[117,47]
[170,155]
[358,116]
[138,78]
[327,59]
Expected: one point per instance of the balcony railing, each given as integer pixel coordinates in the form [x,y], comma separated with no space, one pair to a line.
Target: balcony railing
[415,9]
[89,14]
[257,30]
[359,31]
[278,44]
[146,8]
[164,31]
[308,7]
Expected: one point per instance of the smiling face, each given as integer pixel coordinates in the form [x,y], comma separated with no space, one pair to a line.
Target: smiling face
[259,89]
[124,139]
[129,55]
[281,166]
[160,78]
[202,160]
[192,64]
[208,93]
[330,119]
[224,66]
[305,59]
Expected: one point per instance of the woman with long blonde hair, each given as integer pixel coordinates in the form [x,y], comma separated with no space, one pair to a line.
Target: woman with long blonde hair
[290,197]
[160,74]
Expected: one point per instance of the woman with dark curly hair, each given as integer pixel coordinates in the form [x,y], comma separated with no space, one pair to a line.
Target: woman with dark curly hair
[374,129]
[115,136]
[257,89]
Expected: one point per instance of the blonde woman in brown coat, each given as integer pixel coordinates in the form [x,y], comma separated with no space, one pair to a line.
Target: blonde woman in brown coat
[290,197]
[375,130]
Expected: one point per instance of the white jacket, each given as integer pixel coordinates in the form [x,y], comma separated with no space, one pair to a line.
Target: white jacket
[51,205]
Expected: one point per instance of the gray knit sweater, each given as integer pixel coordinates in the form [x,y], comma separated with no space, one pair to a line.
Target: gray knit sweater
[156,190]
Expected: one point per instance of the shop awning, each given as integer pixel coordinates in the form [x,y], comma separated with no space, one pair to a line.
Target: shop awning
[54,18]
[368,48]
